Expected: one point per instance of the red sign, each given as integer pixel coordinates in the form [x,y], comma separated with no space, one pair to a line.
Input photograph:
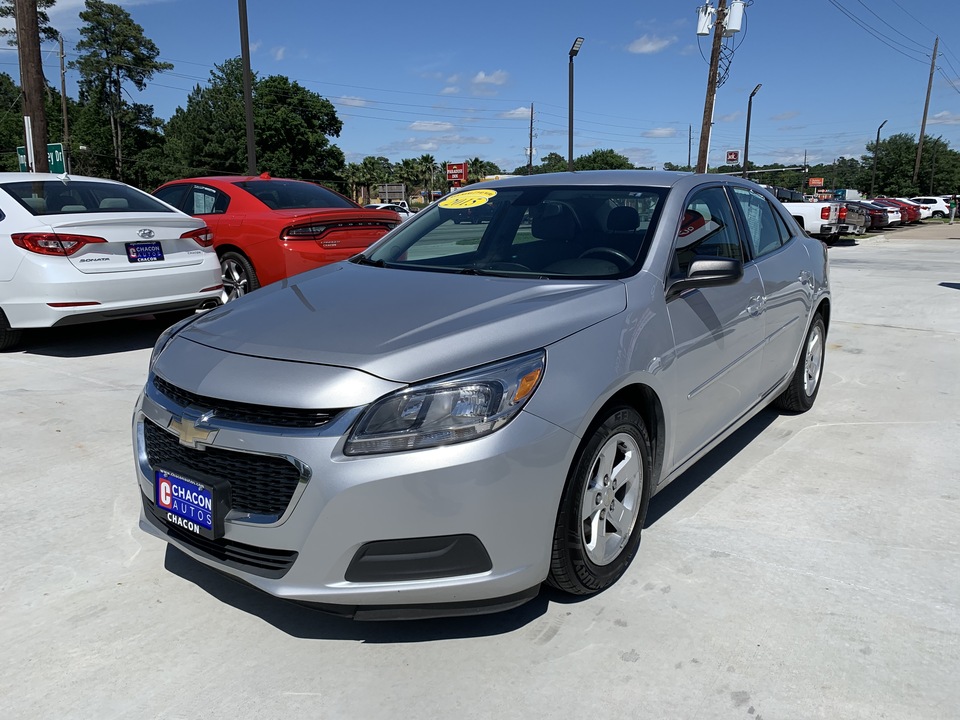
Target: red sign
[815,182]
[457,172]
[733,157]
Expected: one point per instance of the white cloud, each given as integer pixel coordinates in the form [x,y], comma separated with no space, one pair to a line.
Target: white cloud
[453,80]
[431,126]
[660,133]
[785,115]
[254,46]
[278,52]
[639,156]
[649,44]
[438,143]
[730,117]
[945,118]
[351,101]
[450,90]
[520,113]
[498,77]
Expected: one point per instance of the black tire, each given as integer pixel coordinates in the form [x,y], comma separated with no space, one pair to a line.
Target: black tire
[8,336]
[939,214]
[239,277]
[619,439]
[801,393]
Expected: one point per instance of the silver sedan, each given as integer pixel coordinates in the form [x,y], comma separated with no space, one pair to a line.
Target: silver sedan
[466,411]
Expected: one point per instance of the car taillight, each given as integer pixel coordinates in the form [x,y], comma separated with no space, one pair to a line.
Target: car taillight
[201,236]
[843,214]
[53,243]
[303,232]
[825,212]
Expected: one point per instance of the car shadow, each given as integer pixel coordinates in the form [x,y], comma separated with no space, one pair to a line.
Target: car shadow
[303,621]
[678,490]
[99,338]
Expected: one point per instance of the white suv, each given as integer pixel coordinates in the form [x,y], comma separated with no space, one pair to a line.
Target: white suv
[939,207]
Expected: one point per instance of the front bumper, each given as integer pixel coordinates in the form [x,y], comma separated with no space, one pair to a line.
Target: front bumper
[502,491]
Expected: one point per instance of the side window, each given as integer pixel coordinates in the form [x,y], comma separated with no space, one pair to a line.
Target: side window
[707,228]
[172,195]
[207,201]
[763,232]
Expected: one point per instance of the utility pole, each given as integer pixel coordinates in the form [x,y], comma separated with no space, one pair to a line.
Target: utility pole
[705,128]
[63,109]
[32,83]
[247,89]
[689,146]
[926,106]
[530,147]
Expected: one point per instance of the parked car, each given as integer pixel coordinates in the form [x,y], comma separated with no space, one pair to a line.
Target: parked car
[925,210]
[939,207]
[855,220]
[909,213]
[79,249]
[402,214]
[495,407]
[898,215]
[877,215]
[266,229]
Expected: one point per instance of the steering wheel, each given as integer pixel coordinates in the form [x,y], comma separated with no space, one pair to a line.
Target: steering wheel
[624,260]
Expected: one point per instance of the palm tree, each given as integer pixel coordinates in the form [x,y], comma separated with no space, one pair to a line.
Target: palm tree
[476,170]
[428,171]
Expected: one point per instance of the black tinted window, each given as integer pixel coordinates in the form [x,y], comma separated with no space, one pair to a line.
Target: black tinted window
[55,197]
[294,195]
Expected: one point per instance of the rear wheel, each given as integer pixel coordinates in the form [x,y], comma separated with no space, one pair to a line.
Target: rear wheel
[8,336]
[805,383]
[603,506]
[238,274]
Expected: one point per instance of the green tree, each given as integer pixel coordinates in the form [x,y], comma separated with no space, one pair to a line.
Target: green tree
[428,168]
[113,51]
[47,31]
[292,127]
[11,123]
[603,160]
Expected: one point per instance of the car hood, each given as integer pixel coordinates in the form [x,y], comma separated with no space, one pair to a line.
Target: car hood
[403,325]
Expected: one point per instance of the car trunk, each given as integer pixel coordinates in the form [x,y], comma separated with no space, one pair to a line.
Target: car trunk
[142,242]
[346,230]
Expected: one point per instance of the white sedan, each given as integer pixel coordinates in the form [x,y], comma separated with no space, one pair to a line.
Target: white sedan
[401,211]
[79,249]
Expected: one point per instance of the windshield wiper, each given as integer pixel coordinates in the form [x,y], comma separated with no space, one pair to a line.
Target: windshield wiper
[362,259]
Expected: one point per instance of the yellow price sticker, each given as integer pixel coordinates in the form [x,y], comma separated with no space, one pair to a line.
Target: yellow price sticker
[467,199]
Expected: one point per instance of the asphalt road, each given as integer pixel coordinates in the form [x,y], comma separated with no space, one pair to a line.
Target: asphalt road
[807,568]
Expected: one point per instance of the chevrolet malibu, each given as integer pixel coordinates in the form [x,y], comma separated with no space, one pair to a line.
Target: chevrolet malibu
[462,412]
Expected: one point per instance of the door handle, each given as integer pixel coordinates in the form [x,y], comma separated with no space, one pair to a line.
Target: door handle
[806,278]
[757,304]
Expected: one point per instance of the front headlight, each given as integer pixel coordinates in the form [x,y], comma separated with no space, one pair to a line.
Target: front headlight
[449,410]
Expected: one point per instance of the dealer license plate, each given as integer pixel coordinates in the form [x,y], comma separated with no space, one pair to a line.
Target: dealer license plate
[188,504]
[139,252]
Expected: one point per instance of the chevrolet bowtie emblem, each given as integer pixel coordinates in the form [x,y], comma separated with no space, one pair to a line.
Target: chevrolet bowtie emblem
[190,434]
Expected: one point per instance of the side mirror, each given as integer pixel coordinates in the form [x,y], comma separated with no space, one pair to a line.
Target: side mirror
[707,272]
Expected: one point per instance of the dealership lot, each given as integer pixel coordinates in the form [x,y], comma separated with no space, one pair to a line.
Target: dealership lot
[809,567]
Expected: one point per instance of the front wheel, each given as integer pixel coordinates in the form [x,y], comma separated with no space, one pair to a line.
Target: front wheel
[603,506]
[805,383]
[238,274]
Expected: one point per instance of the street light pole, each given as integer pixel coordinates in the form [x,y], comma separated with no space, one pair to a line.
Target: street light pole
[746,139]
[574,50]
[247,89]
[876,151]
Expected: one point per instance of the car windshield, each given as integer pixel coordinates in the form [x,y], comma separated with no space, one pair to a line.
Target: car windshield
[555,232]
[57,197]
[294,195]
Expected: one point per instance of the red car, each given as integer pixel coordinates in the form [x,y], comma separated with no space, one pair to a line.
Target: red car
[266,229]
[910,213]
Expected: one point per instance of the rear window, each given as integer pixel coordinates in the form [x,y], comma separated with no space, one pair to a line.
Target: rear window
[294,195]
[55,197]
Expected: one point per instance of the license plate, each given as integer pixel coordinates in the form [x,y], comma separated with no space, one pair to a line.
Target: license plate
[139,252]
[188,504]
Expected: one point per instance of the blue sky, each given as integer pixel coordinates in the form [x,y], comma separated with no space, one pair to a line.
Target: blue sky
[456,80]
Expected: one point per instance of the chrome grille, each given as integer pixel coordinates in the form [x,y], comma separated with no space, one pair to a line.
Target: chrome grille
[259,484]
[246,412]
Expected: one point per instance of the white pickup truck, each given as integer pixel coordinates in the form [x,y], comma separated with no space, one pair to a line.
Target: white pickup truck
[823,220]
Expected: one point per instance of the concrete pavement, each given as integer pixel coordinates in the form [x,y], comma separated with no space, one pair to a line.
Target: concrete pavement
[807,568]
